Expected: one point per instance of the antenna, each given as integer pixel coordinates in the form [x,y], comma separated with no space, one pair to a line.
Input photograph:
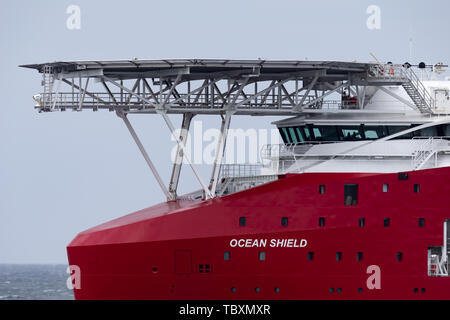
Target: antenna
[373,56]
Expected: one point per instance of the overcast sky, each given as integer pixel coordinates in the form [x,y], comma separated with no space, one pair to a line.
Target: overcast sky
[62,173]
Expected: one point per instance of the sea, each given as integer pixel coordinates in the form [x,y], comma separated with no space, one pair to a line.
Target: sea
[34,282]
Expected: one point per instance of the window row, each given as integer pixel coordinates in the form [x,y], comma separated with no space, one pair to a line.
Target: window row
[257,289]
[332,133]
[321,222]
[310,256]
[351,191]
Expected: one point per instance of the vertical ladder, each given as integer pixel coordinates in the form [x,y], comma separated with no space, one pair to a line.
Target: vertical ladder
[48,79]
[417,92]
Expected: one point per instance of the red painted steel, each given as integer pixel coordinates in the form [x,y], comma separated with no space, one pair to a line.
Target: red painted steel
[176,250]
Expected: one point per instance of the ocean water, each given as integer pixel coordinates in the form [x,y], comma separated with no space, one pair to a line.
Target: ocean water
[34,281]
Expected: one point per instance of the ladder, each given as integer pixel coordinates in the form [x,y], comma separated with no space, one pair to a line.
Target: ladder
[48,79]
[417,92]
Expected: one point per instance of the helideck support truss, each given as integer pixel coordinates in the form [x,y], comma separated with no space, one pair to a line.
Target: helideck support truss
[214,87]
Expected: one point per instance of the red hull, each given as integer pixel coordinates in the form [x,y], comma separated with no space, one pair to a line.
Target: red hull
[159,252]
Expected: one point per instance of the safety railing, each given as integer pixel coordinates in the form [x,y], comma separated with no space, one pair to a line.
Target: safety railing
[240,170]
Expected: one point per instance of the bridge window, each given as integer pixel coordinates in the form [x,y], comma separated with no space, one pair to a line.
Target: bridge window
[326,133]
[299,134]
[293,135]
[350,133]
[285,136]
[427,132]
[306,133]
[374,132]
[351,194]
[396,129]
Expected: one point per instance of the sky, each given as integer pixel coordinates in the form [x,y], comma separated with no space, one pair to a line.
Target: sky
[61,173]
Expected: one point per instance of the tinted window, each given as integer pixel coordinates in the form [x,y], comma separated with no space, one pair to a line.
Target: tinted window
[446,130]
[374,132]
[427,132]
[325,133]
[351,194]
[285,135]
[350,133]
[299,134]
[293,135]
[306,133]
[396,129]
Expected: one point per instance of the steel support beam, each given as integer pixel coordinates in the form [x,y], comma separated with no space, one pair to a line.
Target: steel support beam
[185,153]
[394,95]
[176,169]
[145,155]
[221,145]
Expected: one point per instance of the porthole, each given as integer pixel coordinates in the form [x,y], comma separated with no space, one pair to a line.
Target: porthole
[277,289]
[257,289]
[233,289]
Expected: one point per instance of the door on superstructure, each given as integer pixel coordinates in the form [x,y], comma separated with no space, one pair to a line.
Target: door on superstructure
[183,261]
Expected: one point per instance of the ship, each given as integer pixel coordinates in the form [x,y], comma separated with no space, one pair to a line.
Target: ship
[352,204]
